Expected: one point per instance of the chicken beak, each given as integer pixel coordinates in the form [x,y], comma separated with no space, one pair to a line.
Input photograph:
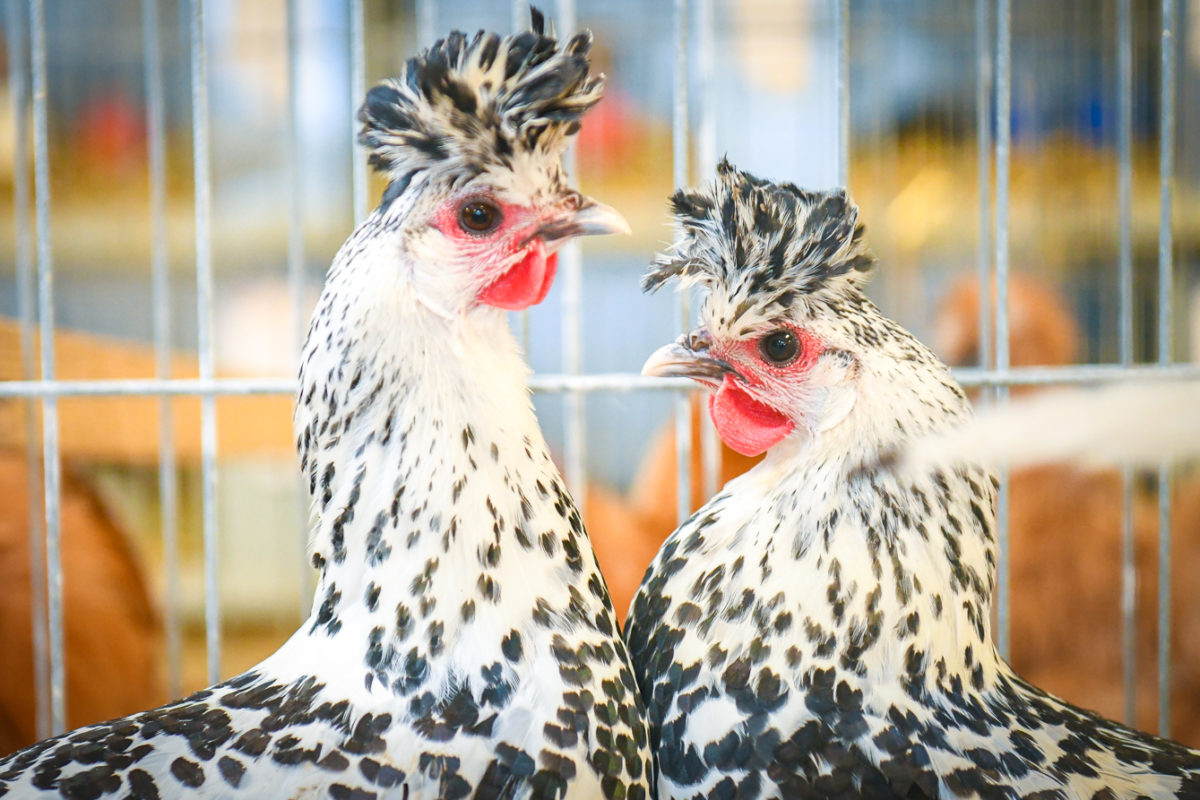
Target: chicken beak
[688,357]
[589,219]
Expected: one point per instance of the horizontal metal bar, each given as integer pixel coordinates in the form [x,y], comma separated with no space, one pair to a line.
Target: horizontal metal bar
[599,382]
[1084,373]
[148,387]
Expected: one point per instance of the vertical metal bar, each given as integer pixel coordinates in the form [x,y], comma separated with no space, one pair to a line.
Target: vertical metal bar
[161,290]
[295,254]
[572,475]
[706,163]
[50,455]
[426,22]
[358,90]
[841,35]
[295,181]
[18,89]
[520,14]
[1125,335]
[204,326]
[1003,141]
[571,266]
[1166,168]
[983,125]
[679,146]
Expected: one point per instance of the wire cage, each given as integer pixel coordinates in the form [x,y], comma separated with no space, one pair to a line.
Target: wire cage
[181,175]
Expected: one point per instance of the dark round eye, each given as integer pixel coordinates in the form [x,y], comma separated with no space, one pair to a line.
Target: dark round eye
[478,216]
[779,347]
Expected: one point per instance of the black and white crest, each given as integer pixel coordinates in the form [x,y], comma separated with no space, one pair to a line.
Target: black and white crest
[763,245]
[479,101]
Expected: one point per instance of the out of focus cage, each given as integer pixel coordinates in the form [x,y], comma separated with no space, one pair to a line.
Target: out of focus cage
[179,176]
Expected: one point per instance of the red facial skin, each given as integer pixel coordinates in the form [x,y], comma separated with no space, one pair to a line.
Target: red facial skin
[526,284]
[746,424]
[528,281]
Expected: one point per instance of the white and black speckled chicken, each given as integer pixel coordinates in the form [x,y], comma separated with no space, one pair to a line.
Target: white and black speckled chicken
[821,627]
[462,641]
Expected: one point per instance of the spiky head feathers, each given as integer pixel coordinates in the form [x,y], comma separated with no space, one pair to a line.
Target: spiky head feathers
[761,247]
[480,103]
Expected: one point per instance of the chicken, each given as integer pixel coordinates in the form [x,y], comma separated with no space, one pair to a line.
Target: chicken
[1064,626]
[462,641]
[821,627]
[112,628]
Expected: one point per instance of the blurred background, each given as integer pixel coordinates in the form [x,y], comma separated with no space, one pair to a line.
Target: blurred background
[899,100]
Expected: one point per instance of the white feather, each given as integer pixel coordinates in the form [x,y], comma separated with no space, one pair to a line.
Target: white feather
[1139,424]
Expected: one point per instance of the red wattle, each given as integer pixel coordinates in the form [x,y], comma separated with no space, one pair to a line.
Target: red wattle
[526,284]
[746,425]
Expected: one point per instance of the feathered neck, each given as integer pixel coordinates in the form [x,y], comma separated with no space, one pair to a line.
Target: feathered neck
[438,511]
[886,575]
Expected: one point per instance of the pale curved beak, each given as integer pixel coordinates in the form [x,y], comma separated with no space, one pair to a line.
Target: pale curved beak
[688,357]
[590,219]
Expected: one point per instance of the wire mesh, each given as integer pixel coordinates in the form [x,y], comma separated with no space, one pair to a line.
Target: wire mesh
[695,133]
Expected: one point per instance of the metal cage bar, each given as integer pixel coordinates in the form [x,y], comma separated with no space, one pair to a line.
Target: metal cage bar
[358,90]
[983,126]
[51,464]
[571,264]
[204,335]
[680,131]
[161,293]
[426,22]
[18,87]
[1003,146]
[296,255]
[706,166]
[1125,337]
[1166,168]
[592,382]
[519,13]
[841,38]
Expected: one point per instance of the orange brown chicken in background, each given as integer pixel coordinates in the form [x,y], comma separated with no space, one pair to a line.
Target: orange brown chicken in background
[111,629]
[1065,533]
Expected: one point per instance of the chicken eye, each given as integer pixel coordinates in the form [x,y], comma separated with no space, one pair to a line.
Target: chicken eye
[779,347]
[478,216]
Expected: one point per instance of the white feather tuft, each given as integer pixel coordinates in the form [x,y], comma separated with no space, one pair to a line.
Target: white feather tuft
[1142,425]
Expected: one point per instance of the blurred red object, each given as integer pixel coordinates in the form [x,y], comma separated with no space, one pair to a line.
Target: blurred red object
[110,135]
[609,140]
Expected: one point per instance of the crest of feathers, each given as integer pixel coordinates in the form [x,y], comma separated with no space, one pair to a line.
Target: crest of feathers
[472,103]
[763,244]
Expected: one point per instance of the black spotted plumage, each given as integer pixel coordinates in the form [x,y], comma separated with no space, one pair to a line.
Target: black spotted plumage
[821,627]
[446,656]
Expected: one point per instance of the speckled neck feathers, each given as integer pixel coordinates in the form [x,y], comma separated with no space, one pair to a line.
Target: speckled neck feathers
[438,512]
